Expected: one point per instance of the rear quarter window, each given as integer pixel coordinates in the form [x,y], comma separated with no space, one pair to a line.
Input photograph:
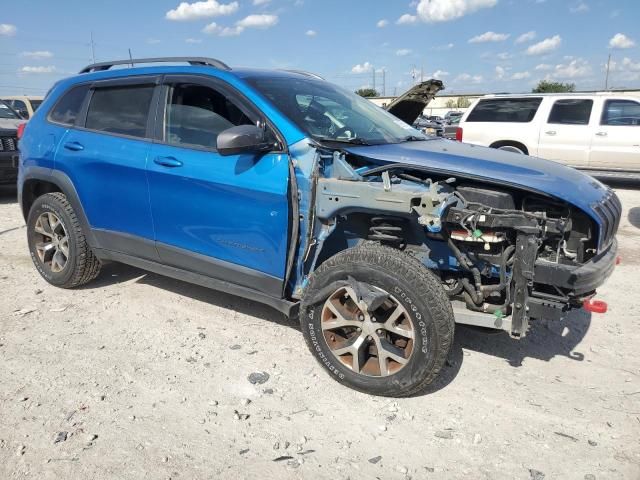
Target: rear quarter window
[515,110]
[67,108]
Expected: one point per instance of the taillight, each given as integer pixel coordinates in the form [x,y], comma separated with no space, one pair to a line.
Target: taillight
[595,306]
[21,128]
[459,134]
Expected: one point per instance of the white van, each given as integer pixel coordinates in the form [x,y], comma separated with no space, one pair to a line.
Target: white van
[599,132]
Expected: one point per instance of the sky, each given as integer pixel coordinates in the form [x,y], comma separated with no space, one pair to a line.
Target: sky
[474,46]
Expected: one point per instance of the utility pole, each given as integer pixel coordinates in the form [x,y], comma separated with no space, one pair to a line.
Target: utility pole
[384,83]
[374,77]
[131,58]
[421,73]
[606,80]
[93,50]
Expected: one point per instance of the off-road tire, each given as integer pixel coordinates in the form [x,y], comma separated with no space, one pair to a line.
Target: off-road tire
[82,265]
[417,289]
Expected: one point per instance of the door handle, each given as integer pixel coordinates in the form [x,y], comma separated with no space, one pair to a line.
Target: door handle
[171,162]
[550,132]
[601,134]
[74,146]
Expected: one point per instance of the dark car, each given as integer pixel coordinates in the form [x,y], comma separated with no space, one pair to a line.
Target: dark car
[9,122]
[451,128]
[288,190]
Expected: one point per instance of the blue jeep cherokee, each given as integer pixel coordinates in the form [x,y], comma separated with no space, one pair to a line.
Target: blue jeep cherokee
[285,189]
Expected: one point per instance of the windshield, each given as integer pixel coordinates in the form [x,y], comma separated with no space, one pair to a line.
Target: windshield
[327,112]
[7,112]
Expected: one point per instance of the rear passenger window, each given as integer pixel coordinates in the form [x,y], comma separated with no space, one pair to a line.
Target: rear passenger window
[67,109]
[571,112]
[122,110]
[518,110]
[621,112]
[196,114]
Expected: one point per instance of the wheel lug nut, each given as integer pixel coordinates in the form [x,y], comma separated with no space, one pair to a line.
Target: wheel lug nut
[358,329]
[361,317]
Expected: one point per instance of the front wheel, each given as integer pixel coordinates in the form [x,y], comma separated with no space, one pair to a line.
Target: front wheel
[378,321]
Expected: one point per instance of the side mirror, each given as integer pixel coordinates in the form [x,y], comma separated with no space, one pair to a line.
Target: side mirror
[242,139]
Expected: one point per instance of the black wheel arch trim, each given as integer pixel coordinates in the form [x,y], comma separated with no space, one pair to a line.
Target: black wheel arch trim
[64,183]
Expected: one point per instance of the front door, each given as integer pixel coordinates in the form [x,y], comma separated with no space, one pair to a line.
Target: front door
[566,135]
[222,216]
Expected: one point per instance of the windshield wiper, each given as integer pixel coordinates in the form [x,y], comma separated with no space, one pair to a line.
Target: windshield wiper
[413,138]
[352,141]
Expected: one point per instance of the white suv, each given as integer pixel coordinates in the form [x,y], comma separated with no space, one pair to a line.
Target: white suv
[598,132]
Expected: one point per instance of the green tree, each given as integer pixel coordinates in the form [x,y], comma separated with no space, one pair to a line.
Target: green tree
[451,103]
[463,102]
[545,86]
[367,92]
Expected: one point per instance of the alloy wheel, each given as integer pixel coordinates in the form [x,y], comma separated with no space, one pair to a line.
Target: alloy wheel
[373,343]
[51,241]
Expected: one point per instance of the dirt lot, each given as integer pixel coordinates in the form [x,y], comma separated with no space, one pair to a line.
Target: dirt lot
[139,376]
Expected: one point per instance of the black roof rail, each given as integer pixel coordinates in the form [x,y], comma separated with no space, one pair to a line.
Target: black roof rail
[304,72]
[210,62]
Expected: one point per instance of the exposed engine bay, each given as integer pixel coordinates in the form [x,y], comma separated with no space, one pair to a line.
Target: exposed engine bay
[493,247]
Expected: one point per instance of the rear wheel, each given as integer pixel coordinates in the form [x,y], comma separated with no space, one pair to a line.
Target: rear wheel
[378,321]
[58,247]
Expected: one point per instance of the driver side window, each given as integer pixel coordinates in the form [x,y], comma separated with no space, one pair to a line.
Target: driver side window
[196,114]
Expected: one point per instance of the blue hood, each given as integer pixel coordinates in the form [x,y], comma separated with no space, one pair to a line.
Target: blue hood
[494,166]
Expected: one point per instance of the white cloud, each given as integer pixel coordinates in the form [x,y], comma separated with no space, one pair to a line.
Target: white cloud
[403,52]
[251,21]
[38,54]
[579,8]
[28,69]
[626,65]
[526,37]
[260,2]
[446,10]
[441,48]
[489,37]
[467,78]
[500,71]
[545,46]
[258,21]
[311,33]
[193,40]
[407,19]
[153,41]
[504,56]
[195,11]
[520,75]
[576,68]
[382,23]
[440,74]
[7,30]
[543,66]
[362,68]
[620,40]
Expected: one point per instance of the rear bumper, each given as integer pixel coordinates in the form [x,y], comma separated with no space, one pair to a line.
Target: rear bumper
[8,167]
[578,280]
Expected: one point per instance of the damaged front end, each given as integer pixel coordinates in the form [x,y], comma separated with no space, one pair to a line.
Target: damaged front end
[504,255]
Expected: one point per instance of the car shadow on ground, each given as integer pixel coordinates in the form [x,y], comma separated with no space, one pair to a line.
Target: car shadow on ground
[634,216]
[544,341]
[8,194]
[114,273]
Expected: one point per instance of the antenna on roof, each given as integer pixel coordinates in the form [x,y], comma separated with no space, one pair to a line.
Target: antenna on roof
[131,57]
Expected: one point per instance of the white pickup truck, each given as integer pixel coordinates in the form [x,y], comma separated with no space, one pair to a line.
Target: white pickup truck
[598,132]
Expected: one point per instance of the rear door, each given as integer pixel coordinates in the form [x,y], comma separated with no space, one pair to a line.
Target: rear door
[565,136]
[105,156]
[615,144]
[226,217]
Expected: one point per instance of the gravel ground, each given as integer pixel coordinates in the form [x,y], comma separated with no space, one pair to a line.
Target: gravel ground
[138,376]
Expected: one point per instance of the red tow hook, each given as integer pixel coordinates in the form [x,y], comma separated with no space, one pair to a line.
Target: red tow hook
[595,306]
[618,260]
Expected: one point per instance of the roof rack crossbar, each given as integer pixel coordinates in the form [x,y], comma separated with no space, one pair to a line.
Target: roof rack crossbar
[210,62]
